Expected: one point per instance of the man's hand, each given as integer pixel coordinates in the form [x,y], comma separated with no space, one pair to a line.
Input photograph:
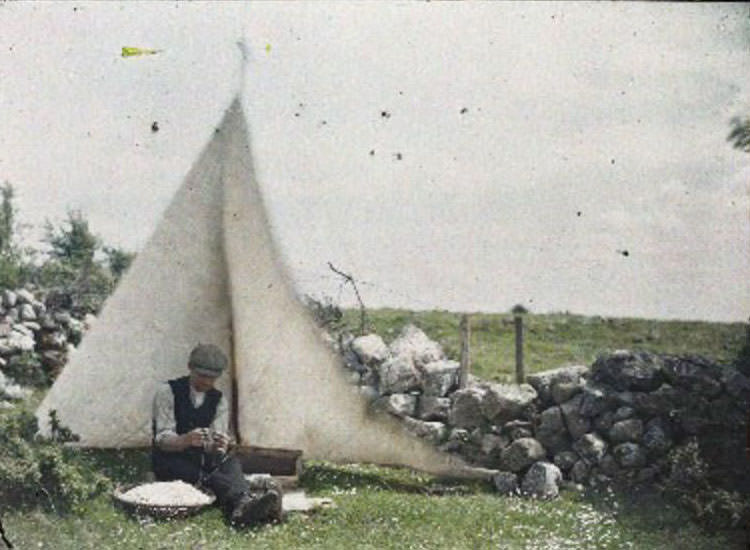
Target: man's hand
[221,442]
[193,438]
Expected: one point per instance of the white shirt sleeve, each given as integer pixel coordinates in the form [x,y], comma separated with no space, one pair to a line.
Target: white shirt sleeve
[164,421]
[221,419]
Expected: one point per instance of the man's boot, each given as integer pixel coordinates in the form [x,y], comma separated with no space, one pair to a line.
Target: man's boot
[251,509]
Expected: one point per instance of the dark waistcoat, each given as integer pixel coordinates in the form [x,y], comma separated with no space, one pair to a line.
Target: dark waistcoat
[188,417]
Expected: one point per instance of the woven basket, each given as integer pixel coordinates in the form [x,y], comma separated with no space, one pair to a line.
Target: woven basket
[158,510]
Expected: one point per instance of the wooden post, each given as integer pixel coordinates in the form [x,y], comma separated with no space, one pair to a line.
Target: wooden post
[463,373]
[520,374]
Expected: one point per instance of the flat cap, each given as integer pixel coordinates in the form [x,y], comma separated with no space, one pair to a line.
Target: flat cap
[208,360]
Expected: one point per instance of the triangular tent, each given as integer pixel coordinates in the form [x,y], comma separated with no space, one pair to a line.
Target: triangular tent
[211,274]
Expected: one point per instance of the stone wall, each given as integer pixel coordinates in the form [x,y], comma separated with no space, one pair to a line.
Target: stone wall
[614,420]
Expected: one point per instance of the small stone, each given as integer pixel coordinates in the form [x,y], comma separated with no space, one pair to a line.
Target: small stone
[542,480]
[10,299]
[656,438]
[439,377]
[594,401]
[506,483]
[565,460]
[591,448]
[369,393]
[24,296]
[434,408]
[630,455]
[414,344]
[33,326]
[521,453]
[492,444]
[623,413]
[516,429]
[604,422]
[370,349]
[434,432]
[551,431]
[397,375]
[626,430]
[505,402]
[576,423]
[397,404]
[27,313]
[580,471]
[466,409]
[608,465]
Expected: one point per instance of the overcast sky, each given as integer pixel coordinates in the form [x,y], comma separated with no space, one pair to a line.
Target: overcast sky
[462,156]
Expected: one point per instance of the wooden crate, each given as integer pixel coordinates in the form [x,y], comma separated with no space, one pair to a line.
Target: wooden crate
[262,460]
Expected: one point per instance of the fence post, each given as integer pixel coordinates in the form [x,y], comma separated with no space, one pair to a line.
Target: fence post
[520,374]
[463,373]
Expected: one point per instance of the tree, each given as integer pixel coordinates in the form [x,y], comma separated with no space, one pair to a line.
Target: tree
[7,217]
[740,134]
[72,270]
[119,260]
[73,245]
[740,138]
[12,268]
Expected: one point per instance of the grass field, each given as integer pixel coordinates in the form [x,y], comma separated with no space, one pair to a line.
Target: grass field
[396,509]
[380,508]
[555,340]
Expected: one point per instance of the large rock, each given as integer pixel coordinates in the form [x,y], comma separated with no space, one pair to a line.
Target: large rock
[506,483]
[576,423]
[694,374]
[551,431]
[370,349]
[626,430]
[505,402]
[439,377]
[398,404]
[434,432]
[544,382]
[434,408]
[627,370]
[397,375]
[630,455]
[542,480]
[466,407]
[415,344]
[591,448]
[521,453]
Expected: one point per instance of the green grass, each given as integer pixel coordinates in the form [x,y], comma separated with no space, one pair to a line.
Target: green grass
[555,340]
[396,508]
[378,508]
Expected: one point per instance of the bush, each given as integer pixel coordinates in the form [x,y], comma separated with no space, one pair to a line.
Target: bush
[689,482]
[26,369]
[35,471]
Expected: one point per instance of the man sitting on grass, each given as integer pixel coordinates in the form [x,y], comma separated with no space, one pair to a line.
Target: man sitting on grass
[191,426]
